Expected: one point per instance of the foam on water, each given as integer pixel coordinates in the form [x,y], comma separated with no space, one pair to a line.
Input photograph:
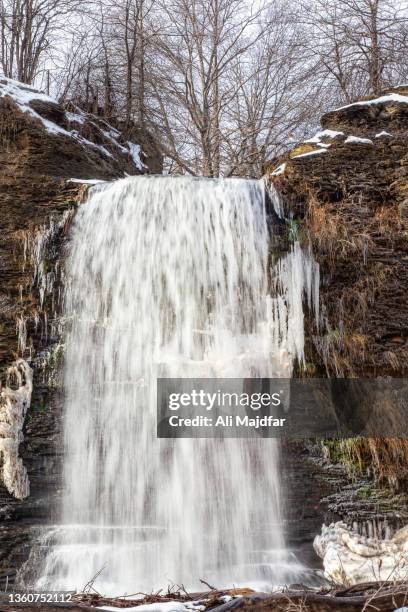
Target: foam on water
[169,277]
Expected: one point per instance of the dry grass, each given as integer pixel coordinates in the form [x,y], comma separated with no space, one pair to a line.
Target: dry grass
[340,349]
[332,235]
[386,457]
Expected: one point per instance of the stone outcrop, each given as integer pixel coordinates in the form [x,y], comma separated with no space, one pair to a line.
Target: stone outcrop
[348,188]
[40,137]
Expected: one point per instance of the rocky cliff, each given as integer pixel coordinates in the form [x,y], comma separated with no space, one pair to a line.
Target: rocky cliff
[47,154]
[348,189]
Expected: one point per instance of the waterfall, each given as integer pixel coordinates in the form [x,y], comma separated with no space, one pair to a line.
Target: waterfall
[169,276]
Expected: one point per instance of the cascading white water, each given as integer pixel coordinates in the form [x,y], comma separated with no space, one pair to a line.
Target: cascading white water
[169,277]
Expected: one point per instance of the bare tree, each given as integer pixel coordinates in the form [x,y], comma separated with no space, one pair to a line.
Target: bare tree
[224,85]
[359,45]
[267,111]
[199,42]
[28,31]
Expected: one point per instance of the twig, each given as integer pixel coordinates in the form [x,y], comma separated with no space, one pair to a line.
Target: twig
[90,583]
[209,585]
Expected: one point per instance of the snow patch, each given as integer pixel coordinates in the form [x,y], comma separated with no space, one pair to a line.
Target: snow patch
[394,97]
[358,140]
[135,152]
[317,138]
[382,134]
[75,117]
[310,153]
[86,181]
[112,135]
[279,170]
[22,93]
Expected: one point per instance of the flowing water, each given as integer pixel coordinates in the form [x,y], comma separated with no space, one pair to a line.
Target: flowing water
[170,277]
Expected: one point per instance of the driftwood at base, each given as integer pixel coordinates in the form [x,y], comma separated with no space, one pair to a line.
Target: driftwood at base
[368,597]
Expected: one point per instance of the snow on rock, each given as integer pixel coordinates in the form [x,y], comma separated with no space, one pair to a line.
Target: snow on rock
[349,558]
[324,135]
[75,117]
[279,170]
[86,181]
[310,153]
[22,95]
[135,152]
[392,97]
[15,399]
[68,123]
[383,134]
[358,140]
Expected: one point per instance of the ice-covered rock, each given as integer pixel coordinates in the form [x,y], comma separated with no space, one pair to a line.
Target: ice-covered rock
[15,399]
[350,558]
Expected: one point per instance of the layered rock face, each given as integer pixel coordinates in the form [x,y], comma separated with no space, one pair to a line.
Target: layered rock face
[348,187]
[46,153]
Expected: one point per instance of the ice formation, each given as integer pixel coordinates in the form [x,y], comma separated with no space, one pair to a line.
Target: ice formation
[15,399]
[37,247]
[350,558]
